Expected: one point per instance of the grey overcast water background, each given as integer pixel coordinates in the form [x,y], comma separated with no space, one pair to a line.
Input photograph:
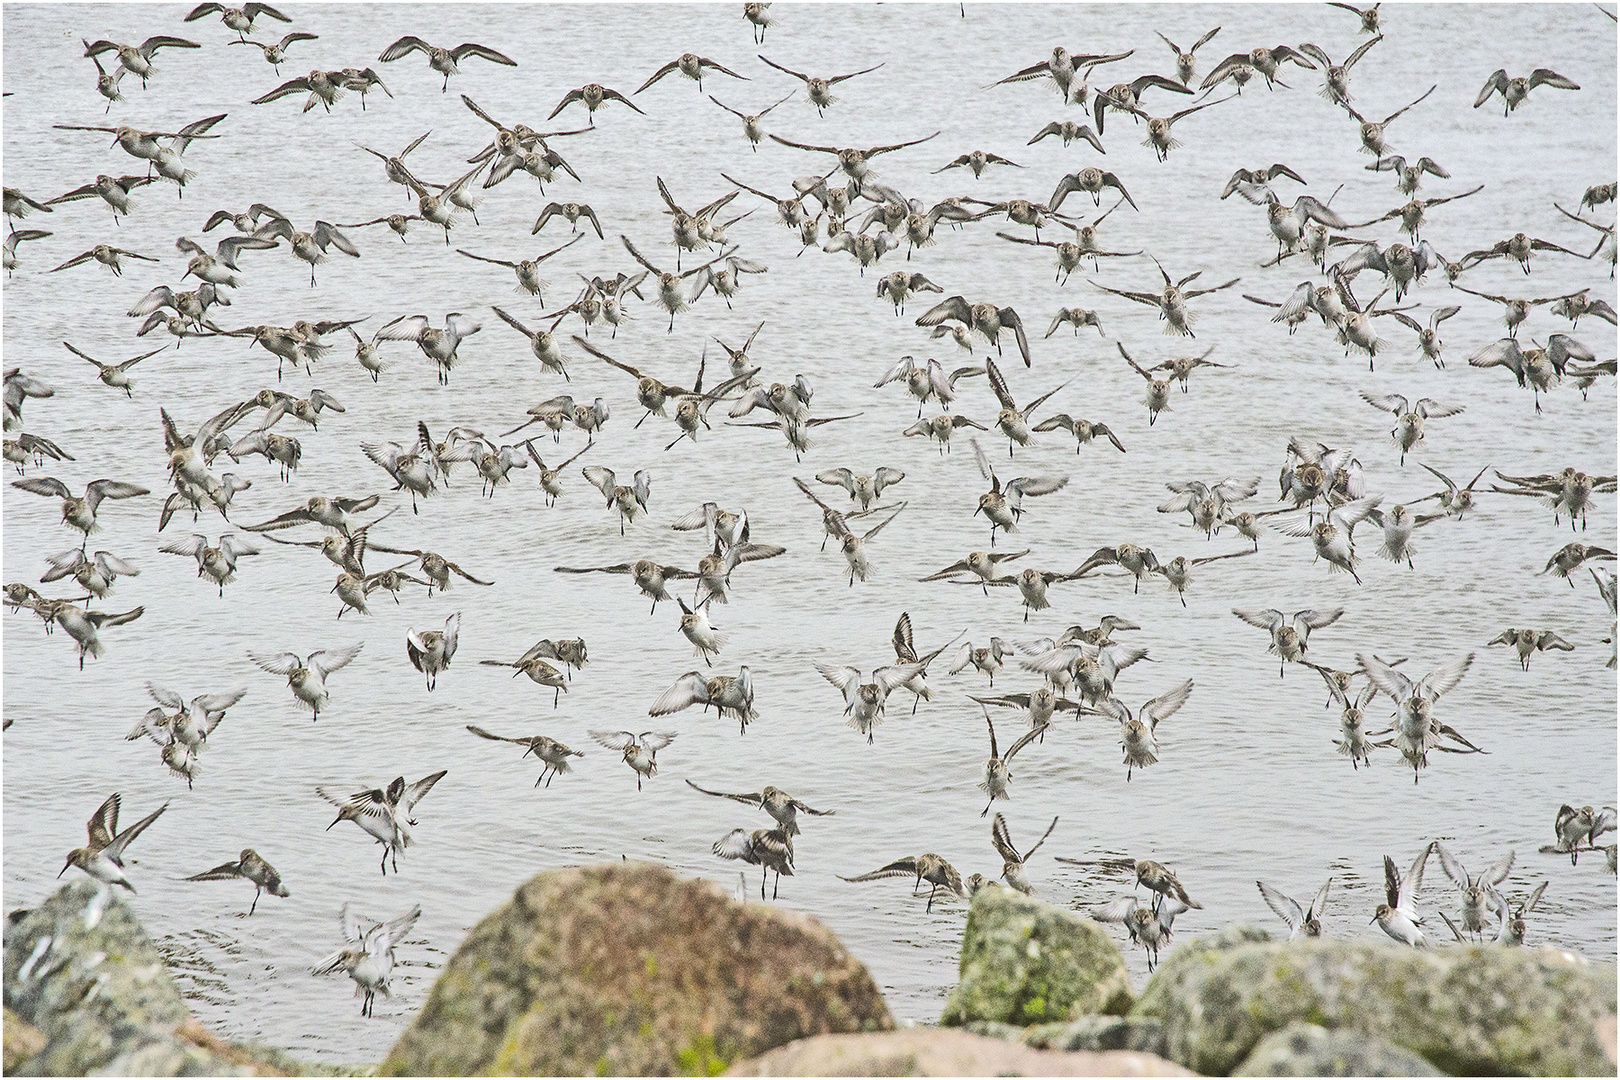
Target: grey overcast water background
[1249,784]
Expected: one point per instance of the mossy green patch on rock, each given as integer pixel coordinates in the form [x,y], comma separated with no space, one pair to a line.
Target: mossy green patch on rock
[699,1058]
[627,969]
[1026,962]
[1468,1010]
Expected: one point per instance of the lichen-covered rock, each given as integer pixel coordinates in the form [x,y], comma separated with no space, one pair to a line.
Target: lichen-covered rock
[1228,937]
[82,974]
[1026,962]
[1309,1050]
[924,1051]
[95,991]
[627,969]
[1476,1009]
[1087,1033]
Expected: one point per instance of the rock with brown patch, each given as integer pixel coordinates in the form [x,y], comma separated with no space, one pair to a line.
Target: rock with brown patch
[627,969]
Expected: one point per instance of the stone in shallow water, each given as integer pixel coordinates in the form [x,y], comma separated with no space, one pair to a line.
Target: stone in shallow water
[95,991]
[101,999]
[627,969]
[1027,962]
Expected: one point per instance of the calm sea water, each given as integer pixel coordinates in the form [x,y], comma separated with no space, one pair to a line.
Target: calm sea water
[1249,785]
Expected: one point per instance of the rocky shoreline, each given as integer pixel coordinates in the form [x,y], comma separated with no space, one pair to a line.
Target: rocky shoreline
[627,969]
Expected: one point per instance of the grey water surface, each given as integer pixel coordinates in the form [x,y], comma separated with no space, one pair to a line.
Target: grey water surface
[1249,784]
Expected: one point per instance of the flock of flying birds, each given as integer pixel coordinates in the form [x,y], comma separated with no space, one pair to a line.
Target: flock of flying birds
[1324,494]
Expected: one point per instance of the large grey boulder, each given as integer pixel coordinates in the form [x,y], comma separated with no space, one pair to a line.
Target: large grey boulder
[83,978]
[1308,1050]
[628,969]
[54,960]
[925,1051]
[1027,962]
[1476,1009]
